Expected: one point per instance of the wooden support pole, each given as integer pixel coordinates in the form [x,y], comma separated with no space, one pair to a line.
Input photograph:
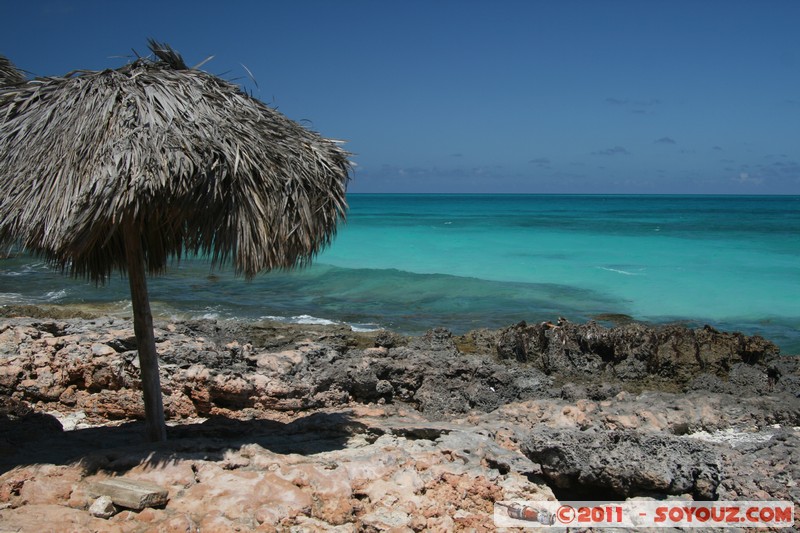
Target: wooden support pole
[145,339]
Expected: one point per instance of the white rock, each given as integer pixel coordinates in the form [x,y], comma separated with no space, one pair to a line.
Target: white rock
[99,350]
[103,507]
[70,421]
[382,518]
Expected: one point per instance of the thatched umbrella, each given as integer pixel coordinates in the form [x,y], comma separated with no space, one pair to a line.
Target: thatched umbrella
[125,169]
[9,74]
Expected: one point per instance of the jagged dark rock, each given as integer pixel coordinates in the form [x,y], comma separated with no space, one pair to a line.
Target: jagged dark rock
[633,352]
[625,464]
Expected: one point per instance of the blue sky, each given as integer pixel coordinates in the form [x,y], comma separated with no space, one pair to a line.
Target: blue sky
[485,96]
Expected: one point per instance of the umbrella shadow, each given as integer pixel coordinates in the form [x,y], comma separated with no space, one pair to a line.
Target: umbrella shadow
[38,438]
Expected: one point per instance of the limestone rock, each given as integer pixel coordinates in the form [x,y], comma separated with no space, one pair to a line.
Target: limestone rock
[318,428]
[131,494]
[625,463]
[102,507]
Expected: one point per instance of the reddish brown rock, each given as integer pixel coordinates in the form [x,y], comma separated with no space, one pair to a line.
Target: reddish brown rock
[49,484]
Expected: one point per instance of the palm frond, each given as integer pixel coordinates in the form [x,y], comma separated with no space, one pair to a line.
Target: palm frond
[9,74]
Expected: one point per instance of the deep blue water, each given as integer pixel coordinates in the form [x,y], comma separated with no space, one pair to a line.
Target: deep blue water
[413,262]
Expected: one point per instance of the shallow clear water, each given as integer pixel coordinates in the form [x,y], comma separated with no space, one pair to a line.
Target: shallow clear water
[412,262]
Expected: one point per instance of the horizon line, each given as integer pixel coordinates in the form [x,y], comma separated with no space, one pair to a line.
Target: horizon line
[574,194]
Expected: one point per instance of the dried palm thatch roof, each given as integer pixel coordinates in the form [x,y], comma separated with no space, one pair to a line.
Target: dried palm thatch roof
[184,158]
[9,74]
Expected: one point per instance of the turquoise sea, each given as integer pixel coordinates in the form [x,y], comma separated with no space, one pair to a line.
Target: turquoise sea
[414,262]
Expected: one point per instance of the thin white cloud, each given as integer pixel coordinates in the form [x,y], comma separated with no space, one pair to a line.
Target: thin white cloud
[746,178]
[617,150]
[630,102]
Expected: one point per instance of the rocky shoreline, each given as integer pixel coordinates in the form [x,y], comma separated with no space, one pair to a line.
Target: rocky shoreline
[277,427]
